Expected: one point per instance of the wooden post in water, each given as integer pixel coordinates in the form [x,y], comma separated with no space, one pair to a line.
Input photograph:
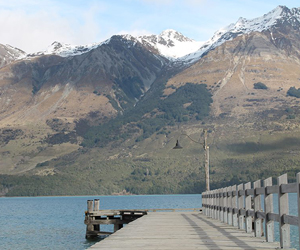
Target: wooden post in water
[257,208]
[96,204]
[269,224]
[248,220]
[90,206]
[283,205]
[89,227]
[96,208]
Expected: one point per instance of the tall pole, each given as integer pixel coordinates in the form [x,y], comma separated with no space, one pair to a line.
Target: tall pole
[206,149]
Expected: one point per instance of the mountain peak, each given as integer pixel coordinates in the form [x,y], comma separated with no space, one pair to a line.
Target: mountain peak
[278,15]
[174,35]
[170,43]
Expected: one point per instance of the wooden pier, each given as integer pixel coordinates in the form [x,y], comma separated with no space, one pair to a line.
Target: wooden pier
[232,218]
[182,231]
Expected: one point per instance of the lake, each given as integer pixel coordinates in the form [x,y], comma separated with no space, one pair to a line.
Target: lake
[58,222]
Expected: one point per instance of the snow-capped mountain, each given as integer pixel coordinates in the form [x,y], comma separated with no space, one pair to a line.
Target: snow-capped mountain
[243,26]
[66,50]
[9,54]
[170,43]
[176,47]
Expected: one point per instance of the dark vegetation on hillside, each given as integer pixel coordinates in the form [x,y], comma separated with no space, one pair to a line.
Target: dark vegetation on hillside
[260,85]
[293,92]
[190,101]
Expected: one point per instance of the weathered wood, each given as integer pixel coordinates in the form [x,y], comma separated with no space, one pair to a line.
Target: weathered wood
[241,205]
[221,210]
[229,205]
[288,188]
[272,189]
[290,219]
[258,230]
[248,219]
[283,205]
[268,207]
[234,206]
[90,206]
[273,217]
[298,199]
[186,232]
[225,206]
[96,204]
[237,203]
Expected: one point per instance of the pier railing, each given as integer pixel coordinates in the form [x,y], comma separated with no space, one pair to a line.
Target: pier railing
[241,206]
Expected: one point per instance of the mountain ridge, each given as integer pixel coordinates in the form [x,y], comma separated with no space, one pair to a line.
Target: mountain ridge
[126,104]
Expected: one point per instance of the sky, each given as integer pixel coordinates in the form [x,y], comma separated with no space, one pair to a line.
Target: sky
[33,25]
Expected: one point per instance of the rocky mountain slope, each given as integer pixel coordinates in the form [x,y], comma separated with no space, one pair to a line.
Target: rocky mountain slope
[264,50]
[58,106]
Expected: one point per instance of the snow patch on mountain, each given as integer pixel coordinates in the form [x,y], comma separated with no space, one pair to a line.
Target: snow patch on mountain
[170,43]
[66,50]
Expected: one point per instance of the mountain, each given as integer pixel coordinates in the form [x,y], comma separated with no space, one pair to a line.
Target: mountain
[105,116]
[264,49]
[272,21]
[170,43]
[9,54]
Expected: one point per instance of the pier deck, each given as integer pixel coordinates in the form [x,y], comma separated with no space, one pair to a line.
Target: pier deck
[181,230]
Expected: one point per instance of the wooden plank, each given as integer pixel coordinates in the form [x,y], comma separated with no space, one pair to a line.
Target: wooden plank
[289,188]
[184,231]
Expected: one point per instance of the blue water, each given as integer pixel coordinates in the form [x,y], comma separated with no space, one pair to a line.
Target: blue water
[58,222]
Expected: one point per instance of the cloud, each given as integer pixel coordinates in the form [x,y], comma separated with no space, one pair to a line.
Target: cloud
[32,26]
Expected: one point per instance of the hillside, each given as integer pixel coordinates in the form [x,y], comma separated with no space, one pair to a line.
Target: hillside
[103,118]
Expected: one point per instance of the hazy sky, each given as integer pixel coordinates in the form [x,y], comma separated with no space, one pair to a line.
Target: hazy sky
[32,25]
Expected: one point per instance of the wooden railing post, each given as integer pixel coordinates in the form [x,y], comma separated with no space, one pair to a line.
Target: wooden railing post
[221,205]
[298,201]
[283,205]
[203,202]
[217,204]
[257,207]
[269,224]
[248,220]
[234,206]
[210,204]
[241,206]
[230,206]
[225,205]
